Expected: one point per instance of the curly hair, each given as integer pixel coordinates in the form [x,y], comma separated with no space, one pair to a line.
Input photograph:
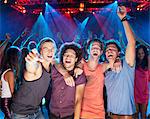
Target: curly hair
[73,46]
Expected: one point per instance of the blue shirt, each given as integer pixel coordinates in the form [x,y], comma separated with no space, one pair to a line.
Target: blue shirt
[120,90]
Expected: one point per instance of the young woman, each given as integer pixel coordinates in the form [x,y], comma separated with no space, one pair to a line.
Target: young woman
[142,75]
[93,103]
[10,73]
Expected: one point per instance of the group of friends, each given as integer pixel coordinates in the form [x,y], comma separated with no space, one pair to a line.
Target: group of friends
[72,86]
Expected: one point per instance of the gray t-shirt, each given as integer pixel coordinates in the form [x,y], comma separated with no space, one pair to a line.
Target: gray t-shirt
[28,98]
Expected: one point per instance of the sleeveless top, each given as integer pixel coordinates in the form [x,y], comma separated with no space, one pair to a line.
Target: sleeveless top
[6,93]
[93,104]
[141,85]
[28,98]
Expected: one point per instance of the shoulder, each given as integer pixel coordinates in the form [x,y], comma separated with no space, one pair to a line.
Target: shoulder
[81,79]
[104,66]
[9,74]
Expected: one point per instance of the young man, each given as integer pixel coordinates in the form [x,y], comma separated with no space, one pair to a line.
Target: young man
[26,101]
[120,86]
[92,104]
[66,100]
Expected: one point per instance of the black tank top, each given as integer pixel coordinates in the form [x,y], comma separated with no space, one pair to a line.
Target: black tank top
[28,98]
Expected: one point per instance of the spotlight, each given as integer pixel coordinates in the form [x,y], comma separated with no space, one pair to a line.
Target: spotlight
[68,12]
[116,2]
[46,3]
[81,8]
[40,13]
[5,1]
[138,8]
[24,11]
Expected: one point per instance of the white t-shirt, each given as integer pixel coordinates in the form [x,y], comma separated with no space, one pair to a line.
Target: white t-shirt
[6,93]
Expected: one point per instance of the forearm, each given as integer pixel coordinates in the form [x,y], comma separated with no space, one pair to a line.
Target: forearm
[3,45]
[129,32]
[130,49]
[78,100]
[33,73]
[32,67]
[77,109]
[61,69]
[26,41]
[107,65]
[17,41]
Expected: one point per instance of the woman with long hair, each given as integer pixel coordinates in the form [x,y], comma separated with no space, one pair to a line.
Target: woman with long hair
[141,81]
[10,72]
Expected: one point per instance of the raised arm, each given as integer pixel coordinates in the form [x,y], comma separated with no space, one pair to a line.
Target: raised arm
[130,49]
[4,44]
[142,42]
[26,41]
[19,39]
[11,80]
[33,67]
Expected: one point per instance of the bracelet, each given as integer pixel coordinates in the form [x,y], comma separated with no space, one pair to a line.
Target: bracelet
[124,19]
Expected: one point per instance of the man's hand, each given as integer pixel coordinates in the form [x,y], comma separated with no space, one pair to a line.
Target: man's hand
[110,64]
[8,36]
[117,66]
[122,12]
[77,72]
[69,80]
[33,56]
[25,32]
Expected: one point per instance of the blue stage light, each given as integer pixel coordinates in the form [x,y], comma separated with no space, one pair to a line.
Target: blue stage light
[116,1]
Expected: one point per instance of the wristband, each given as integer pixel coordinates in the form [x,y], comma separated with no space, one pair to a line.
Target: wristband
[124,19]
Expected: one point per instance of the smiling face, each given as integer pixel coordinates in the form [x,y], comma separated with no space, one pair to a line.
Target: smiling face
[111,52]
[47,51]
[69,59]
[141,54]
[95,50]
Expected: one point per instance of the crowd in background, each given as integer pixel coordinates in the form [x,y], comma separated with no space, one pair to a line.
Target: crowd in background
[74,85]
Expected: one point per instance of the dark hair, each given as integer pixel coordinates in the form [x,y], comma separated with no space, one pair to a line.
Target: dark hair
[31,45]
[4,53]
[144,62]
[11,60]
[25,51]
[95,40]
[42,41]
[115,42]
[73,46]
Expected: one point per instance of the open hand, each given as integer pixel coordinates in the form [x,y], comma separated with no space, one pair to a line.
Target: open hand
[69,80]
